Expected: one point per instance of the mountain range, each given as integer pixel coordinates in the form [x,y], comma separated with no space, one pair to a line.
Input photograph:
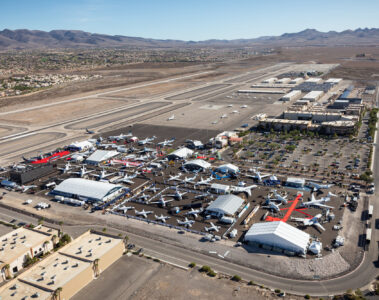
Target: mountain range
[55,39]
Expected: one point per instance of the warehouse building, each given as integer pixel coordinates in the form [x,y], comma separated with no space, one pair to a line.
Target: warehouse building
[22,243]
[220,188]
[225,205]
[64,273]
[278,236]
[181,153]
[197,165]
[30,174]
[100,156]
[228,169]
[314,80]
[87,190]
[294,95]
[313,96]
[297,80]
[334,80]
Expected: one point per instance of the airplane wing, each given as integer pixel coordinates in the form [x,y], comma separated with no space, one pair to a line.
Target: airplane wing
[299,220]
[266,175]
[318,225]
[324,205]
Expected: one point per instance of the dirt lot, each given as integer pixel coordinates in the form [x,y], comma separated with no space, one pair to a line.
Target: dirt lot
[62,112]
[140,278]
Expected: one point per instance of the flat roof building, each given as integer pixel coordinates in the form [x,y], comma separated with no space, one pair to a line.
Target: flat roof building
[294,95]
[225,205]
[220,188]
[297,80]
[279,235]
[87,190]
[313,96]
[100,155]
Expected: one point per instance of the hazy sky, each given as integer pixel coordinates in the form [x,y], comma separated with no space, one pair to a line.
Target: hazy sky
[189,19]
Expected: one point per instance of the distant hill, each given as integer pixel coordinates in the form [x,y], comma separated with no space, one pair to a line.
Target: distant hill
[36,39]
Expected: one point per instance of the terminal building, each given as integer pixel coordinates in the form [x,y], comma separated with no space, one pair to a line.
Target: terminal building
[88,190]
[278,236]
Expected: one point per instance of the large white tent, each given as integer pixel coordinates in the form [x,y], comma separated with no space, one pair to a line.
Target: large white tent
[279,234]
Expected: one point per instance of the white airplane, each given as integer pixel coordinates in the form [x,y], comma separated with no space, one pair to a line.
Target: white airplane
[272,206]
[175,178]
[279,197]
[125,209]
[147,141]
[172,117]
[194,212]
[257,175]
[317,203]
[162,218]
[186,222]
[224,116]
[66,169]
[103,174]
[127,178]
[178,195]
[244,106]
[310,222]
[143,197]
[153,189]
[25,188]
[204,181]
[189,179]
[166,143]
[82,172]
[162,202]
[143,213]
[106,146]
[120,137]
[213,227]
[317,186]
[243,189]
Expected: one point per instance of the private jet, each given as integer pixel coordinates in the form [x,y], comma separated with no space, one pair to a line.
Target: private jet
[194,212]
[278,197]
[177,195]
[153,189]
[258,176]
[143,197]
[125,209]
[320,203]
[143,213]
[162,218]
[310,222]
[120,136]
[186,222]
[82,172]
[213,227]
[189,179]
[272,206]
[147,141]
[162,202]
[317,186]
[103,174]
[243,189]
[25,188]
[127,179]
[175,178]
[204,181]
[66,169]
[166,143]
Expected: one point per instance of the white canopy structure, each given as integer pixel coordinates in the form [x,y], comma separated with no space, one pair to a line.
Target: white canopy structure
[225,205]
[100,155]
[279,234]
[197,164]
[228,168]
[180,154]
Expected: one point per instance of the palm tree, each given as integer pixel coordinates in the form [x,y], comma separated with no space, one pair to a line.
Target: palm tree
[57,294]
[96,267]
[61,226]
[6,271]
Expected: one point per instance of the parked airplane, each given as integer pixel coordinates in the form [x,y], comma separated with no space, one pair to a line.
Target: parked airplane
[127,178]
[125,209]
[213,227]
[162,202]
[153,189]
[66,169]
[272,206]
[258,176]
[243,189]
[143,197]
[178,195]
[172,117]
[120,136]
[143,213]
[82,172]
[175,178]
[103,174]
[204,181]
[317,186]
[189,179]
[310,222]
[147,141]
[166,142]
[186,222]
[194,212]
[162,218]
[320,203]
[278,197]
[90,131]
[25,188]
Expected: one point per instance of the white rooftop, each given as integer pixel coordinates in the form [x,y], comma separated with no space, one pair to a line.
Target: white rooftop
[226,204]
[199,162]
[101,155]
[182,152]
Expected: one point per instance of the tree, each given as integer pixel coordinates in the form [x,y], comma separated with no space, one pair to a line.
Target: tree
[96,267]
[57,294]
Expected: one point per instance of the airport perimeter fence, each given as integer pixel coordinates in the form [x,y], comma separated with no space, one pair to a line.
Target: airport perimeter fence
[159,223]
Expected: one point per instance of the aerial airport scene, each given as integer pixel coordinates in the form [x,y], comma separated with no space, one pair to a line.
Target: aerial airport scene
[135,168]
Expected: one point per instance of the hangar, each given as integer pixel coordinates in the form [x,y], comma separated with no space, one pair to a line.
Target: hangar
[181,153]
[197,165]
[99,156]
[279,235]
[87,190]
[228,168]
[225,205]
